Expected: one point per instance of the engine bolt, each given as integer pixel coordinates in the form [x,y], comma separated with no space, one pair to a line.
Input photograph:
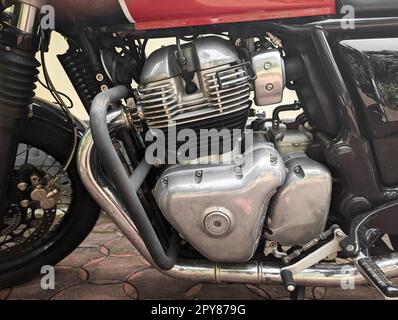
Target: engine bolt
[238,170]
[267,65]
[22,186]
[297,170]
[198,174]
[25,203]
[350,248]
[269,87]
[104,88]
[165,180]
[99,77]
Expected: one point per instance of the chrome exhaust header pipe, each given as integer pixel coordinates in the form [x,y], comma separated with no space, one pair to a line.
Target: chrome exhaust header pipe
[327,274]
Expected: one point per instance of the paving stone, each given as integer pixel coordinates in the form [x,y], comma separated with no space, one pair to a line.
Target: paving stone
[261,292]
[130,290]
[225,292]
[64,278]
[194,291]
[275,291]
[104,251]
[81,256]
[105,225]
[122,247]
[113,268]
[144,261]
[4,294]
[88,291]
[151,284]
[319,293]
[96,239]
[360,293]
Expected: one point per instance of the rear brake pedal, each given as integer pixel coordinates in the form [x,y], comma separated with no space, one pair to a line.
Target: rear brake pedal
[371,271]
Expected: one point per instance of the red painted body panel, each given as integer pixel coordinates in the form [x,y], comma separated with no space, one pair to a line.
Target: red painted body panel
[158,14]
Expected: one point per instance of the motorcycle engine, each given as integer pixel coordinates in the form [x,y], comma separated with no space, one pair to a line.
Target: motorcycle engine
[219,99]
[221,209]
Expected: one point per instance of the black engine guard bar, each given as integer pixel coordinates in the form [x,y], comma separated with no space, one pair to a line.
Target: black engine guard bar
[126,186]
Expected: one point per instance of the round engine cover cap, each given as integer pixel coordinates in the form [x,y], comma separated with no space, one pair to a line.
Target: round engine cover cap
[218,223]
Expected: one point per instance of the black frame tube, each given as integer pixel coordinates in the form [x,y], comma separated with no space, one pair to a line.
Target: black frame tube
[127,186]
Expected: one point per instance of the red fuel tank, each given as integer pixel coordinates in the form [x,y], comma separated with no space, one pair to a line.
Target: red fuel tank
[157,14]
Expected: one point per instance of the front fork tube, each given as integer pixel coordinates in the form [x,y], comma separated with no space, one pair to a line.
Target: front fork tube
[18,74]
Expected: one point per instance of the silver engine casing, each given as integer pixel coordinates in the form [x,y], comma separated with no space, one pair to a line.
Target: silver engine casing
[220,209]
[299,211]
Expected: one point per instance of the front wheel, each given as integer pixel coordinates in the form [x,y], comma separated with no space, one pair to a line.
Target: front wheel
[30,236]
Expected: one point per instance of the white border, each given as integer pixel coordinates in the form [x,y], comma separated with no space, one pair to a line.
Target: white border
[126,11]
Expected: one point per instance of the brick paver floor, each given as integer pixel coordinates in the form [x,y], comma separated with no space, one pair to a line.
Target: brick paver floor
[107,266]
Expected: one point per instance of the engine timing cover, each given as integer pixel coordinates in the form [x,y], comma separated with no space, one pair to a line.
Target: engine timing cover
[220,209]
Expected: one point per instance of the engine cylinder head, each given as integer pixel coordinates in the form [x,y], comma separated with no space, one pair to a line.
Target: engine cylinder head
[223,96]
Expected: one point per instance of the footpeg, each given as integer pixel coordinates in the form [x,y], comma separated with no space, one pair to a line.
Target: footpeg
[371,271]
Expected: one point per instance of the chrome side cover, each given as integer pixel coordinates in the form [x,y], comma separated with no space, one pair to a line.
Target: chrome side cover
[219,207]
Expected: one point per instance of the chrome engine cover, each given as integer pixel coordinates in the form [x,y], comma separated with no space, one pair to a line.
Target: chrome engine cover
[223,81]
[220,209]
[269,84]
[299,211]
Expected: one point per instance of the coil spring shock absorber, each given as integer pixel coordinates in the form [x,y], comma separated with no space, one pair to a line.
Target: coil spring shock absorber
[18,74]
[83,78]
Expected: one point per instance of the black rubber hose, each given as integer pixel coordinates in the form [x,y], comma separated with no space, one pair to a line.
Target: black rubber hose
[128,187]
[288,107]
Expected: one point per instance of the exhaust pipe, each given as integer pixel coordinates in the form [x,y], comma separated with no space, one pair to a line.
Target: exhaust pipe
[252,272]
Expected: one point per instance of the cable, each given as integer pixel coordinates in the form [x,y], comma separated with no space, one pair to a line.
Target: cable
[71,105]
[54,92]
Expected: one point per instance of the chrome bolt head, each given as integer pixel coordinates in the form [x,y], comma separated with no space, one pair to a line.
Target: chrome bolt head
[267,66]
[22,186]
[25,203]
[99,77]
[350,248]
[269,87]
[238,170]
